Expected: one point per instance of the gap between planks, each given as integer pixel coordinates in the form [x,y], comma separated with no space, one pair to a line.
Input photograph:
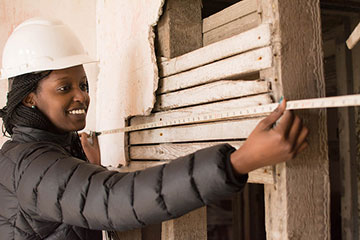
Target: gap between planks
[225,130]
[229,105]
[249,40]
[238,65]
[232,28]
[229,14]
[169,151]
[211,92]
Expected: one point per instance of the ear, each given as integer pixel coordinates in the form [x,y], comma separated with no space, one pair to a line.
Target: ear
[29,100]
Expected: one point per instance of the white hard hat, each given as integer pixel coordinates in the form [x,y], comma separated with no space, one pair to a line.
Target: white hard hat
[40,44]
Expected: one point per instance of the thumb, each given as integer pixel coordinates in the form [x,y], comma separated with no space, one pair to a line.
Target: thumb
[270,120]
[94,139]
[84,139]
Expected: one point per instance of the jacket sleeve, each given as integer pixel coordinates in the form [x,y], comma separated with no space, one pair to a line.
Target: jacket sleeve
[56,187]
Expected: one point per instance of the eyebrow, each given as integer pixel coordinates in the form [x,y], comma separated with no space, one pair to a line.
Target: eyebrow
[68,78]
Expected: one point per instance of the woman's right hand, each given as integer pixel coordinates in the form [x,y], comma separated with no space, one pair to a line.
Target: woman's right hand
[269,144]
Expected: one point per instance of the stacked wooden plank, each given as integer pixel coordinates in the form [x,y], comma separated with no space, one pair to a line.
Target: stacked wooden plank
[222,76]
[231,21]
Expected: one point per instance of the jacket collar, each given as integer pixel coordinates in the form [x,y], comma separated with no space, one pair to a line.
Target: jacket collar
[28,134]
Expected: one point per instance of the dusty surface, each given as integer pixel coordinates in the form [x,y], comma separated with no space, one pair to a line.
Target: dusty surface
[128,73]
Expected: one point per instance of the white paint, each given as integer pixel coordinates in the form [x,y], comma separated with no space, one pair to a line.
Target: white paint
[249,40]
[128,74]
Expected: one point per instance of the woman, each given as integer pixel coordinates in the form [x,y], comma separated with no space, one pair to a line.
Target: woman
[48,188]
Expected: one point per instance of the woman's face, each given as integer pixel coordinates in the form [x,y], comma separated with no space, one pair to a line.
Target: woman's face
[63,98]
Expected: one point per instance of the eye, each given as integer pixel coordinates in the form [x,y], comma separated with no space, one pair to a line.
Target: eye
[84,86]
[64,88]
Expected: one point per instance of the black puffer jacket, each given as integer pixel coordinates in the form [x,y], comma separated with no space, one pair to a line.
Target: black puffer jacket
[46,193]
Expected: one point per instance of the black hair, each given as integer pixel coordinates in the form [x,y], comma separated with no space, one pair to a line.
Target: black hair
[15,113]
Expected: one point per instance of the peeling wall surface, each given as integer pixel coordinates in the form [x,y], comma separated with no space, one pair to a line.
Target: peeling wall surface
[128,74]
[79,15]
[120,35]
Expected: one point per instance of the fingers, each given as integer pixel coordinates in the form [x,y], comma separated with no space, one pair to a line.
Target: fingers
[301,143]
[84,138]
[94,138]
[269,121]
[87,139]
[285,124]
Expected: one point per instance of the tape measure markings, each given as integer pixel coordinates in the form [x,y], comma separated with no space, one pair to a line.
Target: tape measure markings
[327,102]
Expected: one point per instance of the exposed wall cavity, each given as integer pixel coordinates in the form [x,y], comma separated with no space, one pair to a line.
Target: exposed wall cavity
[128,76]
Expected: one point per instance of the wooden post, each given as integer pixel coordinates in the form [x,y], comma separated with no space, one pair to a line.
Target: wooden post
[191,226]
[356,85]
[297,206]
[179,28]
[179,32]
[347,141]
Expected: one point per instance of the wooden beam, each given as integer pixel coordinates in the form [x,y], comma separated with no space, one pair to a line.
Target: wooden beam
[225,130]
[249,40]
[232,28]
[179,32]
[230,105]
[347,146]
[262,176]
[298,206]
[217,91]
[169,151]
[129,235]
[355,53]
[354,37]
[229,14]
[180,229]
[179,28]
[242,64]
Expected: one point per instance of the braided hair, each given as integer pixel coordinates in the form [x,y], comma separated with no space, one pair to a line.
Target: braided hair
[16,113]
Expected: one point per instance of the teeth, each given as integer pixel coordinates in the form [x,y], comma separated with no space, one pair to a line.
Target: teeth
[77,111]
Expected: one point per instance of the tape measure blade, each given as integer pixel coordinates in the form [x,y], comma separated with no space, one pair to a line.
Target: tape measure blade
[327,102]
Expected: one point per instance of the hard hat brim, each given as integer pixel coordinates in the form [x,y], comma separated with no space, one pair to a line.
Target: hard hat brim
[47,64]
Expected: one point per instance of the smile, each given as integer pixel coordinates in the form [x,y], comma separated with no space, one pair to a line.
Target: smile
[77,111]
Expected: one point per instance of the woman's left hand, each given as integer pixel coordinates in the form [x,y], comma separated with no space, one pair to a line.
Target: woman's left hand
[92,150]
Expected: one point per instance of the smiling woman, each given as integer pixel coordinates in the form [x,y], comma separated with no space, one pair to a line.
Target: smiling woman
[63,97]
[49,188]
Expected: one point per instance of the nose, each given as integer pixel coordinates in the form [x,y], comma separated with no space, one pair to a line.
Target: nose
[80,95]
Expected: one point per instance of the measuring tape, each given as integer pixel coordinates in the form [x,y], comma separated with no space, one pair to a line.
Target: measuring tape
[327,102]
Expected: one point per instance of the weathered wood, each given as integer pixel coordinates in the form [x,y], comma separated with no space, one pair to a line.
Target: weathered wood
[232,28]
[229,14]
[254,38]
[191,226]
[346,130]
[179,28]
[234,66]
[172,150]
[217,91]
[297,207]
[355,52]
[262,176]
[183,23]
[233,104]
[129,235]
[197,132]
[354,37]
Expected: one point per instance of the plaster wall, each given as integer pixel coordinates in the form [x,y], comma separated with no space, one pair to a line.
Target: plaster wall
[79,15]
[128,74]
[120,35]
